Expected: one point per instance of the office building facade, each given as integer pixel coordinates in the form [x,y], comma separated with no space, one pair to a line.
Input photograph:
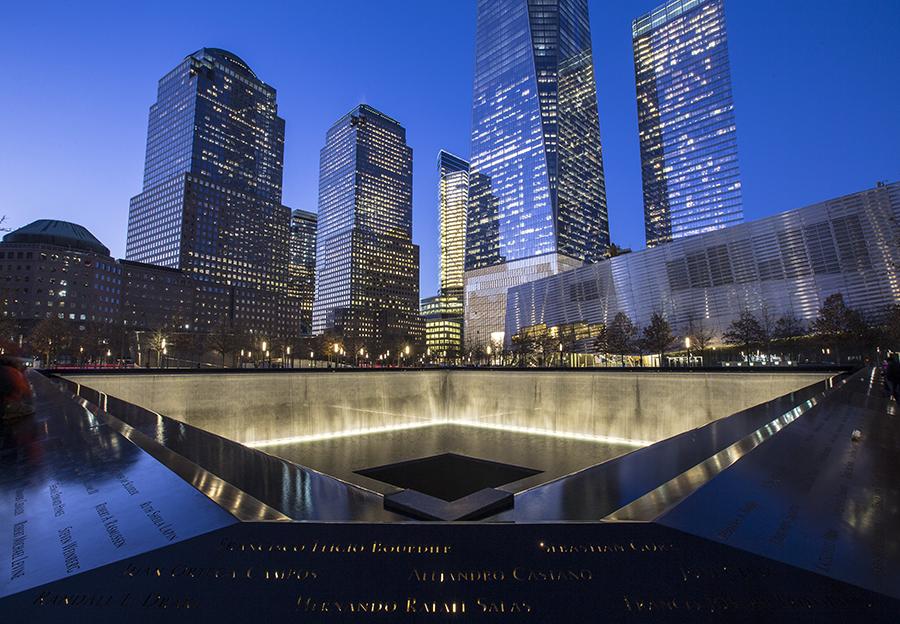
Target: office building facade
[211,199]
[453,198]
[302,267]
[443,313]
[787,265]
[59,270]
[443,318]
[367,268]
[536,186]
[686,122]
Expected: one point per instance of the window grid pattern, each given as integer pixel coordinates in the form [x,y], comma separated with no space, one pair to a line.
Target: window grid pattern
[367,269]
[788,264]
[686,122]
[536,183]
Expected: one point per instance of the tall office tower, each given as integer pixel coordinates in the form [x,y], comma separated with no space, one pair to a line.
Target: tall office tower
[689,161]
[537,196]
[443,313]
[211,201]
[367,268]
[454,200]
[302,267]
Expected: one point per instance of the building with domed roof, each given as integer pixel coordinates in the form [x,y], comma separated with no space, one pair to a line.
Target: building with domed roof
[59,270]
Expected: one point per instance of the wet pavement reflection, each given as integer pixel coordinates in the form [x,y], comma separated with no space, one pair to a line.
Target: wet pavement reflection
[813,497]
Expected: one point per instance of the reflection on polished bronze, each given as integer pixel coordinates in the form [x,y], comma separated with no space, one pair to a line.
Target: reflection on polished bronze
[94,479]
[81,495]
[250,484]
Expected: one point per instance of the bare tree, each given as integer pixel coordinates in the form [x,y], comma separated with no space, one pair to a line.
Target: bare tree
[744,331]
[548,345]
[223,341]
[788,326]
[767,323]
[160,343]
[523,347]
[50,337]
[618,337]
[658,336]
[700,336]
[839,326]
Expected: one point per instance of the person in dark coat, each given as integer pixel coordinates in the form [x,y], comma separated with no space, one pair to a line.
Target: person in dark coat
[893,376]
[15,391]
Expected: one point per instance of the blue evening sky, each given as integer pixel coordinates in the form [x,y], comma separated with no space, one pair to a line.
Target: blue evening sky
[817,91]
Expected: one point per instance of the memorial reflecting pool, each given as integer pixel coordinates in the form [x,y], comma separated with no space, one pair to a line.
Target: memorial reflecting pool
[626,483]
[553,456]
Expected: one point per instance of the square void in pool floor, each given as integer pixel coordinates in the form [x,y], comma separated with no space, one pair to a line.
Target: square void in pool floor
[448,476]
[551,457]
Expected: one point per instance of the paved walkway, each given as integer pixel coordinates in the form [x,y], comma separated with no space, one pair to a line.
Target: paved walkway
[812,497]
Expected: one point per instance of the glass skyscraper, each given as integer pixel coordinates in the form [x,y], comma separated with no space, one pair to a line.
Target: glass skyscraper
[211,199]
[443,314]
[454,199]
[689,160]
[302,267]
[537,198]
[367,269]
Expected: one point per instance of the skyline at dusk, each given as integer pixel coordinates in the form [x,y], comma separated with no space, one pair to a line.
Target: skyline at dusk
[813,97]
[482,310]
